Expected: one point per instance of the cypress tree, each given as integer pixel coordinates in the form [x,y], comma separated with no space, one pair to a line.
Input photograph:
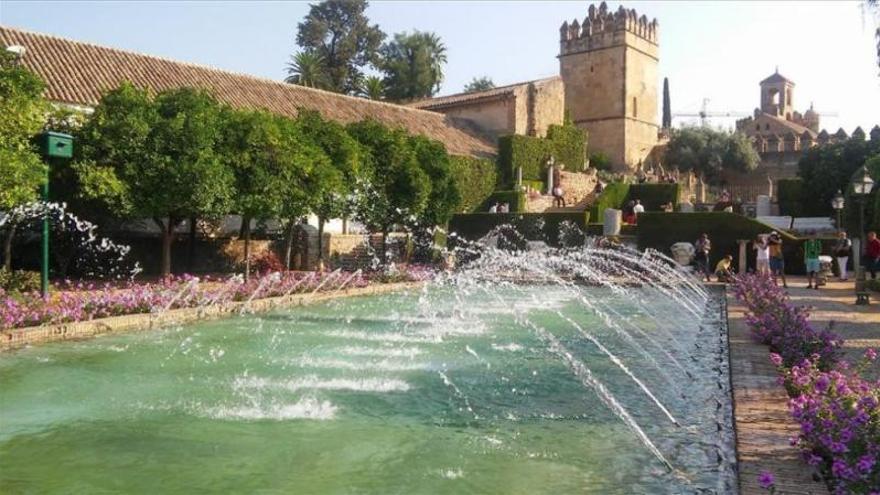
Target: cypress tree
[667,109]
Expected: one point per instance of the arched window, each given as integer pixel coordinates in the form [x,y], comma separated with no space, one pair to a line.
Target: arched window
[766,127]
[635,107]
[774,96]
[757,127]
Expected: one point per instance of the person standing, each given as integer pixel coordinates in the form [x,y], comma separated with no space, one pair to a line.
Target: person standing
[812,251]
[701,255]
[872,254]
[842,251]
[777,259]
[638,208]
[762,255]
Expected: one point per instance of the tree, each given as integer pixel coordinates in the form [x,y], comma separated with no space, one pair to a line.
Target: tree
[340,33]
[825,169]
[156,158]
[372,88]
[443,196]
[332,186]
[307,69]
[21,169]
[707,151]
[479,84]
[667,105]
[396,189]
[413,66]
[261,151]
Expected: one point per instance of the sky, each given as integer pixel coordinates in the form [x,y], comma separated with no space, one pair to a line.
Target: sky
[715,50]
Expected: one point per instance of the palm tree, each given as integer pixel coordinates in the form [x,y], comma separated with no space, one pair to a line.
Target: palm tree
[306,69]
[436,52]
[372,88]
[413,65]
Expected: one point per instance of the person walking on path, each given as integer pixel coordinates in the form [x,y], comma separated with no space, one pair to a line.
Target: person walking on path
[872,255]
[777,259]
[701,255]
[638,209]
[762,255]
[842,251]
[812,251]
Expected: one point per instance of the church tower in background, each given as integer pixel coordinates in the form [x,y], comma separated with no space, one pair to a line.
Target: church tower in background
[608,63]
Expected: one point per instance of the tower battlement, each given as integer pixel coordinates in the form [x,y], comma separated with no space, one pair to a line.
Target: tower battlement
[602,28]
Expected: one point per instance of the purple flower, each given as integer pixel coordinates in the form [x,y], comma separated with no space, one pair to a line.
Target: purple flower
[766,480]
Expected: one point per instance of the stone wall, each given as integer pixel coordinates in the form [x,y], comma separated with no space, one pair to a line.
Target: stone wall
[548,108]
[496,116]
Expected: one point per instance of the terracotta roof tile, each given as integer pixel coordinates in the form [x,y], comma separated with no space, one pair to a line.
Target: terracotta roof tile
[499,92]
[79,73]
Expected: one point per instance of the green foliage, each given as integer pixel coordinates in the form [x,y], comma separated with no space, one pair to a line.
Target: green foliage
[613,196]
[479,84]
[396,189]
[19,281]
[515,199]
[828,168]
[372,88]
[413,66]
[534,226]
[600,161]
[708,151]
[569,144]
[654,196]
[23,111]
[530,153]
[475,180]
[444,196]
[307,69]
[790,195]
[340,33]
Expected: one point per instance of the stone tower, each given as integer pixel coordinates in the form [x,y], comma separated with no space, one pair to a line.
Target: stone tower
[608,63]
[777,96]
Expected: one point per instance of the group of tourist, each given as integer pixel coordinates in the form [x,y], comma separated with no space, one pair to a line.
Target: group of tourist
[499,208]
[770,259]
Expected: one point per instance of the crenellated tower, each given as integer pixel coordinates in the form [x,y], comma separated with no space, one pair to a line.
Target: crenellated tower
[608,63]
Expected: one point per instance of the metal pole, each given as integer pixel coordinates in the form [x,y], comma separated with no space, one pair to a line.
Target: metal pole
[839,229]
[44,272]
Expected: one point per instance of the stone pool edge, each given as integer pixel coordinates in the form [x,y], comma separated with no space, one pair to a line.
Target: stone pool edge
[21,337]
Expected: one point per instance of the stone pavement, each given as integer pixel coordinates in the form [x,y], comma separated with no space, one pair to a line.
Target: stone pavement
[763,425]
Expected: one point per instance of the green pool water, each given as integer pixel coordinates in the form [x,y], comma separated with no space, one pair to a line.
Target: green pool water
[429,392]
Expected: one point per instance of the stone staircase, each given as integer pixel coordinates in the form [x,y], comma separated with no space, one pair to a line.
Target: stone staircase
[577,189]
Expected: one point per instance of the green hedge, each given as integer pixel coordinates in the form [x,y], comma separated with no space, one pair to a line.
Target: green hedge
[534,226]
[475,180]
[566,143]
[653,196]
[661,230]
[516,200]
[569,144]
[613,196]
[790,194]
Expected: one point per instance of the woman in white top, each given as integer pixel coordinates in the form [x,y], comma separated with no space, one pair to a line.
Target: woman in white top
[762,249]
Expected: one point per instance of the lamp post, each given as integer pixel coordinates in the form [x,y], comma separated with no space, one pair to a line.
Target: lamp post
[838,203]
[53,145]
[862,183]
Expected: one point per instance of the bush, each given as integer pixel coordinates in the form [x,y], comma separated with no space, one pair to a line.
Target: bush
[267,262]
[600,161]
[475,180]
[19,281]
[613,196]
[654,196]
[790,196]
[566,143]
[534,226]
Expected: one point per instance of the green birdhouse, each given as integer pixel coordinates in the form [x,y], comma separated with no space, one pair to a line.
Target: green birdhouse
[55,144]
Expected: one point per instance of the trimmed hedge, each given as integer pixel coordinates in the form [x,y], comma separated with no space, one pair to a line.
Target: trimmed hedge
[790,194]
[661,230]
[516,200]
[567,143]
[533,226]
[653,196]
[475,180]
[613,196]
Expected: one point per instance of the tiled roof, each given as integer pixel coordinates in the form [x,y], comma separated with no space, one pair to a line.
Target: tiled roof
[501,91]
[775,78]
[79,73]
[796,128]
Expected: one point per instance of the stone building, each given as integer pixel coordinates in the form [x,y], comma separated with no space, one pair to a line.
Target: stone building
[607,84]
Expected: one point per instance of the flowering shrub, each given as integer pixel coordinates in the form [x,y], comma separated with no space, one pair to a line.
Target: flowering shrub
[267,262]
[836,408]
[81,302]
[786,328]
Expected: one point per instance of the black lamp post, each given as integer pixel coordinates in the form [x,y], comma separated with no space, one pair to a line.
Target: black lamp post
[862,183]
[838,204]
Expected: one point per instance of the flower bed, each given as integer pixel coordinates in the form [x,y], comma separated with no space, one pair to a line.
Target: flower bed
[836,408]
[83,302]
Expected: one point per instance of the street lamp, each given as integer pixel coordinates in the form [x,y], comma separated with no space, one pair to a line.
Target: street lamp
[862,183]
[838,203]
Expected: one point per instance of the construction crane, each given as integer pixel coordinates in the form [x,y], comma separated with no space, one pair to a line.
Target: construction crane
[704,114]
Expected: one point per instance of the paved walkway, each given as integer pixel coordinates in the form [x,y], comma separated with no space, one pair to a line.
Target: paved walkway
[763,425]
